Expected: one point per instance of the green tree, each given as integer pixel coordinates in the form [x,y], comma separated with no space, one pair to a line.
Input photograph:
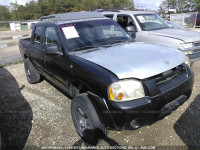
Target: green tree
[34,10]
[179,5]
[5,14]
[14,11]
[195,5]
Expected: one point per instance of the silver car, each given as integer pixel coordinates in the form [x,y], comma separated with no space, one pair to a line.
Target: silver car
[150,27]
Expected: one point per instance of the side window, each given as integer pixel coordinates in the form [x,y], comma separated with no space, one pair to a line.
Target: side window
[109,16]
[37,35]
[112,31]
[124,20]
[51,36]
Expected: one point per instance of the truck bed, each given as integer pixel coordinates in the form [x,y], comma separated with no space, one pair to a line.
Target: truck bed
[24,46]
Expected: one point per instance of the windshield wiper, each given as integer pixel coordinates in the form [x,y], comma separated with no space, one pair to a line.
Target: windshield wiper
[117,41]
[160,28]
[84,48]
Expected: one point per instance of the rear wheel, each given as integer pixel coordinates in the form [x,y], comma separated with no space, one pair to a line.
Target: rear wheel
[31,73]
[86,120]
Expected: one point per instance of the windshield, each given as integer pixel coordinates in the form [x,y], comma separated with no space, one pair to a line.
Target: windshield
[93,33]
[173,25]
[151,22]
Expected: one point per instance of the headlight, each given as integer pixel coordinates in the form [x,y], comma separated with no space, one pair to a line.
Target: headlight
[188,52]
[187,60]
[185,46]
[125,90]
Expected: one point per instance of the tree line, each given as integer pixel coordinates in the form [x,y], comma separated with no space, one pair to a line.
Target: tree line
[34,10]
[181,6]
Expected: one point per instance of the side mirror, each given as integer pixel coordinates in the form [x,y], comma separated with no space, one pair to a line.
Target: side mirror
[131,29]
[53,50]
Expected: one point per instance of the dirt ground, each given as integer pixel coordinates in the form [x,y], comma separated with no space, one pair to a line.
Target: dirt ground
[38,116]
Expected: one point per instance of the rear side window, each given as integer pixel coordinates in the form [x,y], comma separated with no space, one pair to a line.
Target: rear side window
[37,35]
[125,20]
[109,16]
[51,37]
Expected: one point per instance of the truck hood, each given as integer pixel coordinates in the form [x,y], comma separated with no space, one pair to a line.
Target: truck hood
[135,60]
[184,35]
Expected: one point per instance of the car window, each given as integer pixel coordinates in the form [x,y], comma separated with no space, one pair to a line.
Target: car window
[124,20]
[51,37]
[109,16]
[37,35]
[111,31]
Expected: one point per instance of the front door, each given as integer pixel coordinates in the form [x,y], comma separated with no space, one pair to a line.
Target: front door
[55,65]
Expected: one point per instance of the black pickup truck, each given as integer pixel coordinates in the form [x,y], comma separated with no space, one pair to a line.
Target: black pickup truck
[115,82]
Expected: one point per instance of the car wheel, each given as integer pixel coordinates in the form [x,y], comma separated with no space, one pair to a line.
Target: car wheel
[86,120]
[31,73]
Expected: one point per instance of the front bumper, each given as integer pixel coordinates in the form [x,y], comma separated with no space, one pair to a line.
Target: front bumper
[144,111]
[195,56]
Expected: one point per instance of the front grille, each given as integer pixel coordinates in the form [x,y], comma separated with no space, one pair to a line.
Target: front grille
[168,74]
[196,51]
[165,81]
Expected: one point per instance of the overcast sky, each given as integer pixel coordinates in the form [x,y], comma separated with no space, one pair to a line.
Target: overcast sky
[142,4]
[150,4]
[20,2]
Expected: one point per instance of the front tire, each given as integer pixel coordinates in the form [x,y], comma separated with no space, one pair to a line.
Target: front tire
[86,120]
[32,74]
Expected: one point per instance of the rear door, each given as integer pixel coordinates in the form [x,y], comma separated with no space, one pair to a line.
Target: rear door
[37,51]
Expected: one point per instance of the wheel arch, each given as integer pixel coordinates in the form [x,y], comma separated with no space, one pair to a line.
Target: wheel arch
[98,102]
[82,86]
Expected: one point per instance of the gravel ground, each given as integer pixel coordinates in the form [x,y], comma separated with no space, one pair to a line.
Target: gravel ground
[38,116]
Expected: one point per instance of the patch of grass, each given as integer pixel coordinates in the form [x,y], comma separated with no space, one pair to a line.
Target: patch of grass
[4,29]
[10,64]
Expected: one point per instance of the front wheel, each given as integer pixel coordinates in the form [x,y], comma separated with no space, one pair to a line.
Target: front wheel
[86,120]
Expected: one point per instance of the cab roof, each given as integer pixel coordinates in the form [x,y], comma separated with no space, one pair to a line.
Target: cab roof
[127,12]
[72,16]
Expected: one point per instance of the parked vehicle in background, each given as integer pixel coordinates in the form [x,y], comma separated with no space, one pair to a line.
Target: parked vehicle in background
[198,20]
[150,27]
[32,25]
[174,25]
[116,83]
[193,20]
